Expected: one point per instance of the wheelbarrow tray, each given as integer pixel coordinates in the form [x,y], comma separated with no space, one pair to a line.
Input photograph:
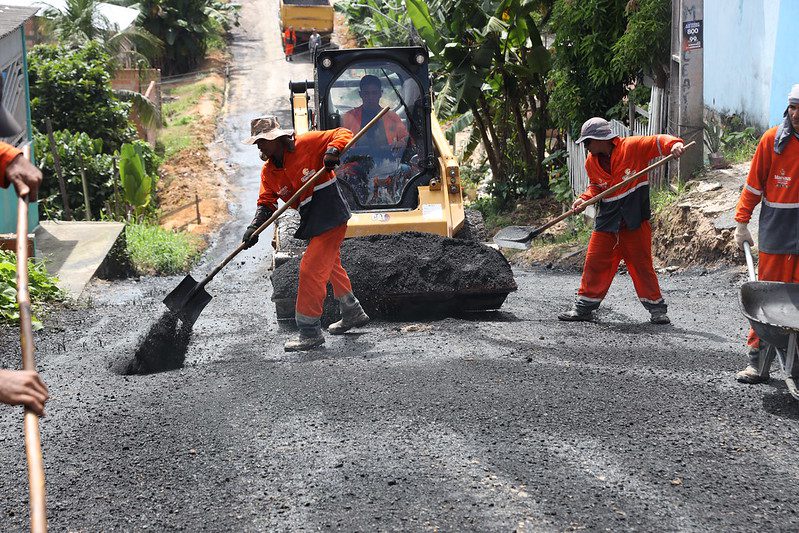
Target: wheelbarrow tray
[772,308]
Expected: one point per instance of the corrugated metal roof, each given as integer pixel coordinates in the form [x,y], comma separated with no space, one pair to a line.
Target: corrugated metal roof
[12,17]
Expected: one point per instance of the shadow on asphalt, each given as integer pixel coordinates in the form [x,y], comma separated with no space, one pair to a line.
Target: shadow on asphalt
[779,402]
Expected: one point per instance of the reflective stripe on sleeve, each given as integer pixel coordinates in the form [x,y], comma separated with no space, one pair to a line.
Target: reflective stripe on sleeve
[753,190]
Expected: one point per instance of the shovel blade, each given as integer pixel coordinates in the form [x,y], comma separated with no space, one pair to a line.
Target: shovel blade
[186,301]
[517,237]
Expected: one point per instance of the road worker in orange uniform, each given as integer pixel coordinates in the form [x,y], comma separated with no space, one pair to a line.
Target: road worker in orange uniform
[622,229]
[19,387]
[289,40]
[289,162]
[774,181]
[391,134]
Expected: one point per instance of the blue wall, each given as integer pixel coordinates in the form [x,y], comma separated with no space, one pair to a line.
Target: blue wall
[785,72]
[751,57]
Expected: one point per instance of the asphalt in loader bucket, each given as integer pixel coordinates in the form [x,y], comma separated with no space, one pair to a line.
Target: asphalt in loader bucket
[409,275]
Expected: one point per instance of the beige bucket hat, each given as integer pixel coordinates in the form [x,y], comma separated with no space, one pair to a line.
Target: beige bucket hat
[266,128]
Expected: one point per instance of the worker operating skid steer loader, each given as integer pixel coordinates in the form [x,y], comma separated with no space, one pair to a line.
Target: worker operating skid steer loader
[411,247]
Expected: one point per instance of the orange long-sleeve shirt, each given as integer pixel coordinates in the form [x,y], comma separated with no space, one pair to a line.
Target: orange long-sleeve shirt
[7,154]
[631,203]
[774,180]
[327,209]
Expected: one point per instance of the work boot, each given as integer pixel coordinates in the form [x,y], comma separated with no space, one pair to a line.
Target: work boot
[576,314]
[352,315]
[659,317]
[302,343]
[310,334]
[756,371]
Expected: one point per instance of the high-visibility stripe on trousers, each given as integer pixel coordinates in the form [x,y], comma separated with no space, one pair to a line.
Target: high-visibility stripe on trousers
[605,252]
[774,267]
[321,264]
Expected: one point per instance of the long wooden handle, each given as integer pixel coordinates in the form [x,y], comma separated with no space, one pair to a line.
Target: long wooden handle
[310,183]
[608,192]
[33,446]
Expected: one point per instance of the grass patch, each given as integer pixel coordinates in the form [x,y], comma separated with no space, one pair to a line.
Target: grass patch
[179,115]
[742,151]
[176,139]
[156,251]
[42,288]
[662,198]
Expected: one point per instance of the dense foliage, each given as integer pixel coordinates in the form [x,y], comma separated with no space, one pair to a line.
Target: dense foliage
[41,286]
[154,250]
[601,48]
[185,27]
[72,87]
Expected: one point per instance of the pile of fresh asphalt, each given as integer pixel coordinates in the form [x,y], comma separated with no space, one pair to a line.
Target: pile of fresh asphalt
[411,275]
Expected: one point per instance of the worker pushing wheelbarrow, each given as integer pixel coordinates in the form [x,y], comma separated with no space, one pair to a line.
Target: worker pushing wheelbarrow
[772,308]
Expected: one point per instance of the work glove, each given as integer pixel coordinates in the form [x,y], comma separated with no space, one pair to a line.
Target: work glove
[332,158]
[262,214]
[577,203]
[742,235]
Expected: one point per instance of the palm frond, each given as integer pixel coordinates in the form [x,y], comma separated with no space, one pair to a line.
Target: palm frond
[145,108]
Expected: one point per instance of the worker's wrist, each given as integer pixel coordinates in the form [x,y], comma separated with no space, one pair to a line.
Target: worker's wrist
[742,226]
[332,150]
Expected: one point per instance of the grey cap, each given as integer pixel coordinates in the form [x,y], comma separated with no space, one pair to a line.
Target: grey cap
[596,128]
[793,96]
[8,126]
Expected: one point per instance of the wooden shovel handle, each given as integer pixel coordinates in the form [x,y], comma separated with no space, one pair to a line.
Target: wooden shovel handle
[310,183]
[608,192]
[33,446]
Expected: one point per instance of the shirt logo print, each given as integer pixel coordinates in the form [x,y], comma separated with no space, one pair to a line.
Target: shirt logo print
[783,181]
[306,174]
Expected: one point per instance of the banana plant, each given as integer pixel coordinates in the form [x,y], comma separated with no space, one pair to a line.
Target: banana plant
[136,184]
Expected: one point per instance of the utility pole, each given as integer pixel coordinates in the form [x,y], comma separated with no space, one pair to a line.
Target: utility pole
[686,113]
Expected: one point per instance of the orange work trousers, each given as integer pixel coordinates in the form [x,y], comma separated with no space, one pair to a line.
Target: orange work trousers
[605,252]
[774,267]
[321,264]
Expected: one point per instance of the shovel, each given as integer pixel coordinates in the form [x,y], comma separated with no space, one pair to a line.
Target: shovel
[33,444]
[190,297]
[520,236]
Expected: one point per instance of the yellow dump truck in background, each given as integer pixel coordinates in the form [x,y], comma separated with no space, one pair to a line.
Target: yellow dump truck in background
[305,16]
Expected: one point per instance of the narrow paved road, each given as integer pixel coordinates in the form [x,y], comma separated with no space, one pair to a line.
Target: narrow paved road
[511,420]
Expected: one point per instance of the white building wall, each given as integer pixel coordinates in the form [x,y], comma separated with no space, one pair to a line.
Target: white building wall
[739,45]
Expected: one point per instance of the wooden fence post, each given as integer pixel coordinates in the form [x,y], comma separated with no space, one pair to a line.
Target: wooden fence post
[57,164]
[116,187]
[197,206]
[85,184]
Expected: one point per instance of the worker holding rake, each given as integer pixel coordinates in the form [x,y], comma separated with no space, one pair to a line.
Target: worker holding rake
[622,229]
[289,161]
[19,387]
[773,182]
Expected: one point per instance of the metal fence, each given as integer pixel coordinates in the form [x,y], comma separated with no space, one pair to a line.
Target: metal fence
[645,123]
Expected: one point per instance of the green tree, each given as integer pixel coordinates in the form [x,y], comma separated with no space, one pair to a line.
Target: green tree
[80,21]
[73,89]
[185,26]
[601,48]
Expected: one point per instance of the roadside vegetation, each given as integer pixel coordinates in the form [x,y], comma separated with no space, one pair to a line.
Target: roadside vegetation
[513,77]
[108,172]
[42,289]
[155,250]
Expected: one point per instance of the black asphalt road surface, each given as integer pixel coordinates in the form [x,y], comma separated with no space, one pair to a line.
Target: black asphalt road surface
[507,421]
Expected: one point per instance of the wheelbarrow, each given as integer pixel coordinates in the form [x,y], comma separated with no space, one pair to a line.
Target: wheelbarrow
[772,308]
